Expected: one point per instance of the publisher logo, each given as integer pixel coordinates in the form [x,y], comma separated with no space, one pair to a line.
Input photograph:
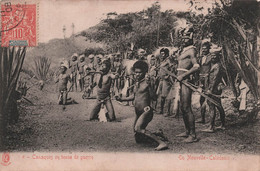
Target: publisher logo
[5,159]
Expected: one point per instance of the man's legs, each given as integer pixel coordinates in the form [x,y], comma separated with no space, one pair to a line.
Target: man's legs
[222,116]
[95,110]
[202,109]
[110,109]
[165,91]
[118,85]
[157,89]
[162,104]
[65,96]
[74,82]
[212,114]
[188,116]
[140,126]
[169,104]
[80,84]
[176,101]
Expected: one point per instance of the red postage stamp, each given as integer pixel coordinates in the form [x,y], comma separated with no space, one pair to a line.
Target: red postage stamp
[19,24]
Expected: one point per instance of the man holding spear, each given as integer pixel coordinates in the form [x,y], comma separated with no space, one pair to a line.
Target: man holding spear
[214,91]
[205,64]
[187,65]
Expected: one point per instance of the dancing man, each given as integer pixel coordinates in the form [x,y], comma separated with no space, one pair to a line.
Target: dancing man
[143,94]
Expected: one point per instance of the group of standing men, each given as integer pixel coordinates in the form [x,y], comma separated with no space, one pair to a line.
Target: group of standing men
[171,76]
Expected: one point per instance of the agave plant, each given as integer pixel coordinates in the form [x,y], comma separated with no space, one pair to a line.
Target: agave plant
[41,69]
[11,61]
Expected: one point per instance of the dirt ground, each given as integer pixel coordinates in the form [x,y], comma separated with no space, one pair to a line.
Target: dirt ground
[46,127]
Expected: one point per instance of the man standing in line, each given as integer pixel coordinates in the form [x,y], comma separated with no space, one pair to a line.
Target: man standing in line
[164,85]
[74,70]
[81,71]
[203,75]
[214,90]
[187,65]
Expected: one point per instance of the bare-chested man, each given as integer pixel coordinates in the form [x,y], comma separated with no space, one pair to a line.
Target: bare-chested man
[173,64]
[118,68]
[90,67]
[153,71]
[142,97]
[62,81]
[214,90]
[74,67]
[103,92]
[205,63]
[165,80]
[187,64]
[81,71]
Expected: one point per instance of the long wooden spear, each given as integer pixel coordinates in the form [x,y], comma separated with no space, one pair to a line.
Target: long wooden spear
[192,88]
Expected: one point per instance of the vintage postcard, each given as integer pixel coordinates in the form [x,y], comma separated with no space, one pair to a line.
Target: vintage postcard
[130,85]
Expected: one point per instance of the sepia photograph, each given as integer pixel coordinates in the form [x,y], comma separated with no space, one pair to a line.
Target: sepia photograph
[130,85]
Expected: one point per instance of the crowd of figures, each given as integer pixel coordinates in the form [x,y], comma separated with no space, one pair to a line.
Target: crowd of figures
[145,80]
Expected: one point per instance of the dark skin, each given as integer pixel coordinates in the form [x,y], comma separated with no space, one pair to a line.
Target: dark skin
[74,69]
[187,60]
[204,70]
[144,114]
[117,67]
[174,65]
[105,89]
[81,66]
[63,80]
[215,79]
[164,84]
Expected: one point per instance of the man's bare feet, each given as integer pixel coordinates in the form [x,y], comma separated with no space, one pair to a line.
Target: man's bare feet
[161,146]
[220,128]
[74,102]
[174,116]
[184,134]
[208,130]
[190,139]
[166,115]
[201,122]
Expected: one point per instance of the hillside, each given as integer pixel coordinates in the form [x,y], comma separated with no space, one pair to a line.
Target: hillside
[56,49]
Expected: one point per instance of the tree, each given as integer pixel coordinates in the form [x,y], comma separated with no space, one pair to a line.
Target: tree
[11,61]
[139,29]
[232,24]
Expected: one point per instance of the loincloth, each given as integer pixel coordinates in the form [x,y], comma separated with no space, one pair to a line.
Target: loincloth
[146,109]
[103,100]
[62,89]
[203,80]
